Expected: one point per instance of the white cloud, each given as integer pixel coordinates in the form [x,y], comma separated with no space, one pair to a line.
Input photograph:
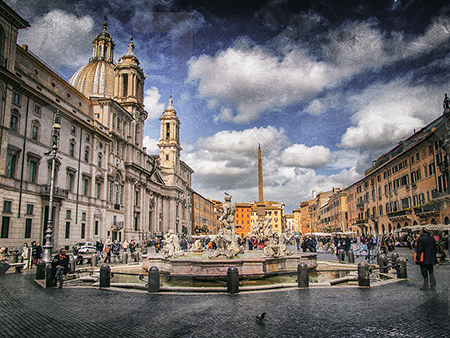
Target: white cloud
[152,105]
[388,113]
[59,38]
[151,144]
[299,155]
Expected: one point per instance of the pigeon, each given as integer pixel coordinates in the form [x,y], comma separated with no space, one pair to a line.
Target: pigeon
[261,316]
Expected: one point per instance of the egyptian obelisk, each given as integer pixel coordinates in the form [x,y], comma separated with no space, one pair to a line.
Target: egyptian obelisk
[261,206]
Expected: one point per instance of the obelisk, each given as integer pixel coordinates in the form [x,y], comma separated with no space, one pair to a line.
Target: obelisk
[261,206]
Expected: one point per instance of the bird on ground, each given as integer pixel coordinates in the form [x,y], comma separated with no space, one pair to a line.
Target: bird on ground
[261,316]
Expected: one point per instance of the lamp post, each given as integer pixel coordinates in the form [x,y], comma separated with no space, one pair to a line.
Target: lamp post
[47,257]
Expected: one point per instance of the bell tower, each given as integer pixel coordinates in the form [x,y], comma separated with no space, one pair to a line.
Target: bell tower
[169,144]
[129,90]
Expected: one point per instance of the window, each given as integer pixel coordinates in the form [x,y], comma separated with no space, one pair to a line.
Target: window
[83,230]
[32,175]
[137,198]
[16,98]
[99,160]
[96,228]
[30,209]
[72,148]
[96,116]
[99,189]
[37,110]
[14,126]
[68,214]
[417,157]
[88,138]
[11,161]
[431,169]
[70,178]
[83,216]
[85,186]
[117,148]
[67,230]
[86,154]
[73,129]
[28,222]
[122,152]
[35,132]
[412,159]
[5,227]
[7,206]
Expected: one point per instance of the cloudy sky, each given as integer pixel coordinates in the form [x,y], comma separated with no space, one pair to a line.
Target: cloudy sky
[325,87]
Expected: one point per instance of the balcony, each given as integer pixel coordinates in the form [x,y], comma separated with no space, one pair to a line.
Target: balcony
[57,192]
[361,221]
[439,194]
[401,214]
[360,205]
[117,226]
[428,208]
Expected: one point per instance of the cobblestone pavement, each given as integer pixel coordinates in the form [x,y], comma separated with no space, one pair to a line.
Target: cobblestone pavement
[393,310]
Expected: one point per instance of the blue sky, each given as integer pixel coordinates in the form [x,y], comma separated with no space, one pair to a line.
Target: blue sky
[325,87]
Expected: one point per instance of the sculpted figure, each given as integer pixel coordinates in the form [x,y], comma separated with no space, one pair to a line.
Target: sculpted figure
[285,238]
[196,246]
[446,103]
[171,246]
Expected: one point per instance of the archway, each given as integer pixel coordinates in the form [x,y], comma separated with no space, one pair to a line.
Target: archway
[383,228]
[446,220]
[390,228]
[433,221]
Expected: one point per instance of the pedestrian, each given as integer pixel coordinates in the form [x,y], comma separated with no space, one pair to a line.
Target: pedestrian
[116,249]
[99,248]
[107,251]
[26,255]
[60,266]
[144,247]
[157,244]
[297,241]
[125,246]
[183,244]
[427,246]
[4,266]
[132,247]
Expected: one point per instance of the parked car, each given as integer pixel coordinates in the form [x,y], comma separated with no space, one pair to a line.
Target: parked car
[87,248]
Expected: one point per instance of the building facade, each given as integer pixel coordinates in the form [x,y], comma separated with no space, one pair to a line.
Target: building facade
[106,184]
[242,219]
[204,218]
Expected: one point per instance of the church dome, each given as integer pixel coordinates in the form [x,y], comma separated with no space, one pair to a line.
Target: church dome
[97,77]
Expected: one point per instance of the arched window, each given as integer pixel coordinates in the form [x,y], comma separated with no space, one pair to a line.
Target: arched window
[2,42]
[86,154]
[35,130]
[433,221]
[389,227]
[383,228]
[99,160]
[446,220]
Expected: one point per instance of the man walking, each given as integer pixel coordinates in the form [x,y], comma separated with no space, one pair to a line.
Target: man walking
[99,247]
[426,245]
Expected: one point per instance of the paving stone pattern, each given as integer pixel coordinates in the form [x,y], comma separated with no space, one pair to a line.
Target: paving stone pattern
[393,310]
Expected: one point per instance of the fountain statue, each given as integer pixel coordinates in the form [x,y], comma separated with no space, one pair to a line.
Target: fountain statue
[196,246]
[171,245]
[227,240]
[275,247]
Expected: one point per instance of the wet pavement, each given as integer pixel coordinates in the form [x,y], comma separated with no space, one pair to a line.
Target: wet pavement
[392,310]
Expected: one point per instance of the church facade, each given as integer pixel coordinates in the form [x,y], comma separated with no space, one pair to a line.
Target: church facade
[105,182]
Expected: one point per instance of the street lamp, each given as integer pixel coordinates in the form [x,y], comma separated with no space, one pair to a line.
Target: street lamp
[47,257]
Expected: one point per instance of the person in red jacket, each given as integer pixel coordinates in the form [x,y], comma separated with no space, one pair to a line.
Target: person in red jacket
[427,245]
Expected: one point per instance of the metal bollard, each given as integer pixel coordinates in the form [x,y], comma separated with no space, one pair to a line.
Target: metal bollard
[401,268]
[40,270]
[73,264]
[394,257]
[94,260]
[351,256]
[341,255]
[125,258]
[232,280]
[153,279]
[105,276]
[302,275]
[363,274]
[382,261]
[48,277]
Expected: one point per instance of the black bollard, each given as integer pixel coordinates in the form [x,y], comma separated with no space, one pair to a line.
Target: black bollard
[302,275]
[351,256]
[153,279]
[382,261]
[394,257]
[48,277]
[341,255]
[40,270]
[401,268]
[232,280]
[363,274]
[105,276]
[125,258]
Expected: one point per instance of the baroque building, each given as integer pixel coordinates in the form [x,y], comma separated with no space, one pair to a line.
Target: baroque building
[105,182]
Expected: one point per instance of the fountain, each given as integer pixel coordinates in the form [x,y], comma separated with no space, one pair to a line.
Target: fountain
[276,258]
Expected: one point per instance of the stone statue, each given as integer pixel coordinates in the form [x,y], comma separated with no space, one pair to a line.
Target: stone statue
[228,211]
[171,245]
[285,238]
[223,243]
[446,104]
[197,246]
